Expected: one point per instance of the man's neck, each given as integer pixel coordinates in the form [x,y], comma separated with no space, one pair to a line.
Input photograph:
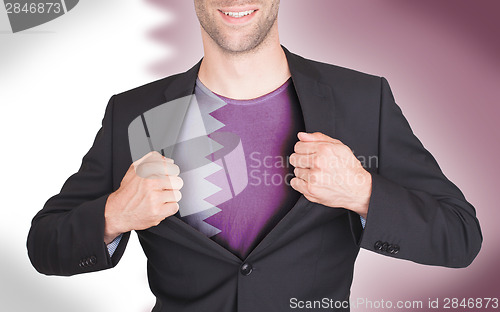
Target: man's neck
[244,76]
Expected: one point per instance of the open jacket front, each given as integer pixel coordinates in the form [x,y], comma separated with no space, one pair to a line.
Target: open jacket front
[415,212]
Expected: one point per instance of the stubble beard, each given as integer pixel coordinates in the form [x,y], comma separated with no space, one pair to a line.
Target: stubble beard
[247,44]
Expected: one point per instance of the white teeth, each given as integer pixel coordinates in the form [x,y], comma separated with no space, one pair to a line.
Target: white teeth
[239,14]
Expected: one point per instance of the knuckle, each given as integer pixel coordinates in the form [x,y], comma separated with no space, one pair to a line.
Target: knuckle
[323,148]
[301,162]
[167,183]
[313,177]
[158,219]
[172,208]
[177,195]
[316,161]
[154,155]
[143,166]
[346,150]
[327,149]
[311,198]
[154,210]
[177,168]
[172,169]
[142,170]
[177,182]
[316,172]
[156,198]
[148,183]
[311,190]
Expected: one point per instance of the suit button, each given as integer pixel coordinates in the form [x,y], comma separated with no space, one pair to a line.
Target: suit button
[246,269]
[390,249]
[82,263]
[396,249]
[93,260]
[384,246]
[378,245]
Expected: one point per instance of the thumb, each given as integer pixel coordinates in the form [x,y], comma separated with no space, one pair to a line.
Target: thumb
[316,137]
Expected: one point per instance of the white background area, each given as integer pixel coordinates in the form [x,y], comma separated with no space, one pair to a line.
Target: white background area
[55,81]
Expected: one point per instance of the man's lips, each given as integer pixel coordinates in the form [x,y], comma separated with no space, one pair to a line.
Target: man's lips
[237,16]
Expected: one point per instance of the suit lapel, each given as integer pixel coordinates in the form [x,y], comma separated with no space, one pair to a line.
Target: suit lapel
[183,84]
[318,109]
[316,98]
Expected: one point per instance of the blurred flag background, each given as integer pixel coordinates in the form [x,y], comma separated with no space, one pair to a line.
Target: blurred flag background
[440,56]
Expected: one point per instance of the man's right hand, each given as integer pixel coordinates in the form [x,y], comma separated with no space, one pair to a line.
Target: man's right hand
[148,193]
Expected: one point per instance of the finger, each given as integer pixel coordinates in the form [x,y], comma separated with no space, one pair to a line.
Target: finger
[133,167]
[311,147]
[172,169]
[168,160]
[148,170]
[147,156]
[153,156]
[311,176]
[302,161]
[302,173]
[157,169]
[302,147]
[298,184]
[316,137]
[172,183]
[156,157]
[170,196]
[301,186]
[171,208]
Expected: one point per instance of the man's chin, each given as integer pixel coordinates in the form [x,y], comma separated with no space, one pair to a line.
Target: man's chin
[239,46]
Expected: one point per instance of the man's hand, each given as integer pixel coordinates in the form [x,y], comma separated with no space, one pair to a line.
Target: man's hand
[328,173]
[148,193]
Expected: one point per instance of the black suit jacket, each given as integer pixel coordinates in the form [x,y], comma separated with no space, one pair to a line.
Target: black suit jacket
[415,212]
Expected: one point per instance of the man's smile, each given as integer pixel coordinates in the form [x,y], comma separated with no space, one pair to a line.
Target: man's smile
[237,16]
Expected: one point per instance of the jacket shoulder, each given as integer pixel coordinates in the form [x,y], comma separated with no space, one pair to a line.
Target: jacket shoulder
[153,90]
[130,104]
[338,75]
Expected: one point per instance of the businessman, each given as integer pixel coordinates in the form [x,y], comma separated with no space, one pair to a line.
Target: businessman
[222,234]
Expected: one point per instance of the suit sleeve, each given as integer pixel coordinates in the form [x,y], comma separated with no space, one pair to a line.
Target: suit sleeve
[415,212]
[67,235]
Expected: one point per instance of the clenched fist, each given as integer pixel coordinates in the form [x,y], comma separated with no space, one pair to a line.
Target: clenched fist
[148,193]
[328,173]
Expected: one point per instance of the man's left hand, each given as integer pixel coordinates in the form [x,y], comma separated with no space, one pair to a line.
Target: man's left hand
[327,172]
